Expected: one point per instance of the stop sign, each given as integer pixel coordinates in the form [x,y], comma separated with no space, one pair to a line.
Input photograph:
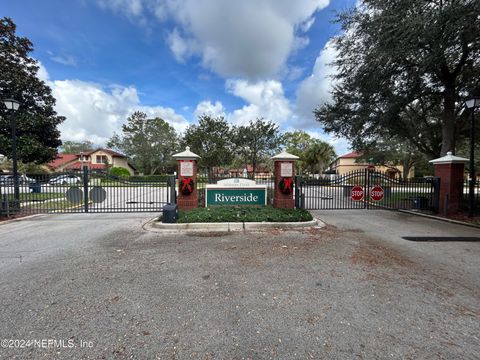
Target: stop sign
[376,193]
[357,193]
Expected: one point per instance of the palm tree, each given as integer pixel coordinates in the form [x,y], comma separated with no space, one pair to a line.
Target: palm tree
[319,155]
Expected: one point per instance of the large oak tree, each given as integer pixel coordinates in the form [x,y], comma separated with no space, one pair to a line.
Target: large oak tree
[405,68]
[211,139]
[37,121]
[149,143]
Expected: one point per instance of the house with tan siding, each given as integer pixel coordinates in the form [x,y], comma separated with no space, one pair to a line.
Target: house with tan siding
[351,162]
[98,159]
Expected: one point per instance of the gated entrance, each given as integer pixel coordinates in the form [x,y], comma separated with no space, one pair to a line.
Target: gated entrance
[87,191]
[365,189]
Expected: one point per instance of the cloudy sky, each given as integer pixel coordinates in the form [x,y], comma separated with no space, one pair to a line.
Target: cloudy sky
[178,59]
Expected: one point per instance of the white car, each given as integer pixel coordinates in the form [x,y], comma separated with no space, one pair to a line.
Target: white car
[22,180]
[65,180]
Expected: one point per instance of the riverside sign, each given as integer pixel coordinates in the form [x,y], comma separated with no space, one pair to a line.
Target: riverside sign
[235,192]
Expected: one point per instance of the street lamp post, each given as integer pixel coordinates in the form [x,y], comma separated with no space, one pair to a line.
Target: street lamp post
[12,106]
[472,104]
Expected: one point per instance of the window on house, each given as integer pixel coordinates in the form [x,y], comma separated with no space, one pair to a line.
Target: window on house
[101,159]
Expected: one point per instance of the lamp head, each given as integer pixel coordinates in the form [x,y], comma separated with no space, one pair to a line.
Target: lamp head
[472,103]
[11,104]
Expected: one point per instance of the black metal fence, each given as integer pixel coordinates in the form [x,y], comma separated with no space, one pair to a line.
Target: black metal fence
[87,191]
[466,197]
[364,189]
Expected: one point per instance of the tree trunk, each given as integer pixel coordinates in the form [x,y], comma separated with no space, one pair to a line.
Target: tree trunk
[448,120]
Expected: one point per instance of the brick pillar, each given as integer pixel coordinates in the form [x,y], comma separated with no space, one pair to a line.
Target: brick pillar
[187,169]
[450,169]
[284,168]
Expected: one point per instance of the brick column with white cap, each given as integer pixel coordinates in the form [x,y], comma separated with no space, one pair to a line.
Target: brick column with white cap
[284,174]
[450,169]
[187,198]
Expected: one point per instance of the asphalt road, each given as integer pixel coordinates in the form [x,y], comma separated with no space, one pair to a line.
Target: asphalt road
[353,290]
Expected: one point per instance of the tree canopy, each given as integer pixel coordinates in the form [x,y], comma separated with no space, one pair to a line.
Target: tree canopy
[257,140]
[76,147]
[318,155]
[148,142]
[211,139]
[405,68]
[37,135]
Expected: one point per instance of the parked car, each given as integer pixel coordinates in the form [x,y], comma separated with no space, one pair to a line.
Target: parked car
[65,180]
[7,180]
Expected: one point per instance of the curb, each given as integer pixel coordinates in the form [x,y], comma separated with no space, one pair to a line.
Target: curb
[154,225]
[439,218]
[8,221]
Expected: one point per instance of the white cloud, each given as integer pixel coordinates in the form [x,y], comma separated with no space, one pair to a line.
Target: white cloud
[67,60]
[42,72]
[315,89]
[247,38]
[94,113]
[208,108]
[341,145]
[265,99]
[131,8]
[181,47]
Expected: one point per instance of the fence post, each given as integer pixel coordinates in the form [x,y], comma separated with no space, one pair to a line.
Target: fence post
[187,176]
[366,194]
[450,169]
[298,191]
[284,172]
[436,194]
[85,188]
[172,194]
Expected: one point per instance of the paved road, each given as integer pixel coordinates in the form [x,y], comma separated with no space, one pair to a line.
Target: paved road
[352,290]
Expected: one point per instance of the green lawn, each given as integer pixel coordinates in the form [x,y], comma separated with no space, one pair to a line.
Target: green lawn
[403,199]
[28,197]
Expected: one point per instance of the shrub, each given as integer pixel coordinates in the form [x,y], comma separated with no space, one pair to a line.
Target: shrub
[119,171]
[243,214]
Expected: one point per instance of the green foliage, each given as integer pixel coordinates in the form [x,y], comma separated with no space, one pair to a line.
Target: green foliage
[148,142]
[119,171]
[243,214]
[76,147]
[404,70]
[148,178]
[211,139]
[297,143]
[318,155]
[394,152]
[37,121]
[258,140]
[24,168]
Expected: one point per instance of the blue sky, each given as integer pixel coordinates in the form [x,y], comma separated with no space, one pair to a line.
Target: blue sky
[177,59]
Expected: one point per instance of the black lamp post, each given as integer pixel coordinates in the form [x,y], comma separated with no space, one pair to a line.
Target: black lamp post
[12,106]
[472,104]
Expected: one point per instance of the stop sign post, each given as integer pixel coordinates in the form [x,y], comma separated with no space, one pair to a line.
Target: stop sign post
[357,193]
[376,193]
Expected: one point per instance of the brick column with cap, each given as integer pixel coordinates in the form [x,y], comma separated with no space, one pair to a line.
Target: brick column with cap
[450,169]
[187,198]
[284,174]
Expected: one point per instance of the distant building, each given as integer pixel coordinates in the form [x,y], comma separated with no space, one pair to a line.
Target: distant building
[98,159]
[351,162]
[247,171]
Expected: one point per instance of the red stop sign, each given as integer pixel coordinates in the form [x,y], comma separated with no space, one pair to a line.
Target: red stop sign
[357,193]
[376,193]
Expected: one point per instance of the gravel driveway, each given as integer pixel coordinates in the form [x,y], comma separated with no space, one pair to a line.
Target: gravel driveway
[352,290]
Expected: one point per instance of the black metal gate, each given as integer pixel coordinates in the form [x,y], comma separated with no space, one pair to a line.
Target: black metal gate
[365,189]
[87,191]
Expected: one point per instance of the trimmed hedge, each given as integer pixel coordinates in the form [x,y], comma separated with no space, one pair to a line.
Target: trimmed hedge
[243,214]
[119,171]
